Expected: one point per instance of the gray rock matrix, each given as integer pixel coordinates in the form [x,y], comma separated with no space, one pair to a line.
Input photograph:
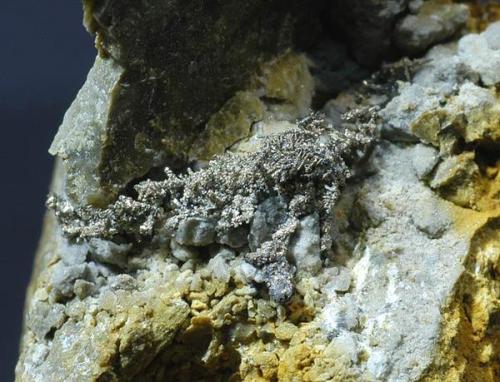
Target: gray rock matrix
[348,231]
[305,168]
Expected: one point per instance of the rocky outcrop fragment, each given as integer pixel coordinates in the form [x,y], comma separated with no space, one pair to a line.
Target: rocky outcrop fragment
[228,207]
[177,67]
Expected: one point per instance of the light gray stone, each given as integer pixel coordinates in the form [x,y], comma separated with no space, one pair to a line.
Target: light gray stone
[341,316]
[403,110]
[72,254]
[492,36]
[195,231]
[245,272]
[402,277]
[481,53]
[340,282]
[181,252]
[81,136]
[219,265]
[44,317]
[430,219]
[107,252]
[433,23]
[305,245]
[347,344]
[123,282]
[425,159]
[448,82]
[63,279]
[415,5]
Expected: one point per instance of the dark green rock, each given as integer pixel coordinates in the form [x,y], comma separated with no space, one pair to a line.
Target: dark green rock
[181,60]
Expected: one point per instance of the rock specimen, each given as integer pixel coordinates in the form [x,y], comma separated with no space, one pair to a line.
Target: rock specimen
[169,66]
[223,209]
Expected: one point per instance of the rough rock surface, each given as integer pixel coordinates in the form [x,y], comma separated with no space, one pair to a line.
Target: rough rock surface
[368,25]
[173,57]
[433,22]
[291,228]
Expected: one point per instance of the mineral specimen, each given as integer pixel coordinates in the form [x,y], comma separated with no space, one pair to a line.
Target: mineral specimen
[244,193]
[169,65]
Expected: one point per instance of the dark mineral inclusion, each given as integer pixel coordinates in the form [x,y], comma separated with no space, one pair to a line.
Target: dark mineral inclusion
[180,61]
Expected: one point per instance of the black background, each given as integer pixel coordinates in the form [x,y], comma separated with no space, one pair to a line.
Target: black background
[45,54]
